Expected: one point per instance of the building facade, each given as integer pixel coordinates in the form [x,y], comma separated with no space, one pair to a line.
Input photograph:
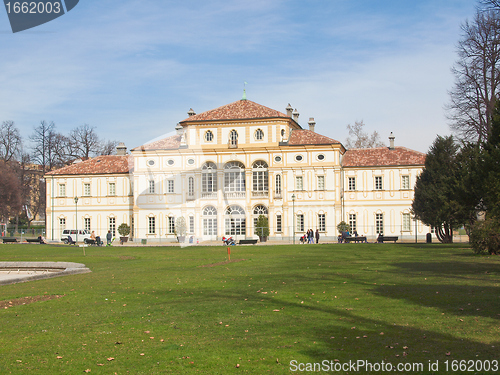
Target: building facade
[225,167]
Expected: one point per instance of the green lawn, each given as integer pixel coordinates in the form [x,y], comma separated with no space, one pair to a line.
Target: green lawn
[147,310]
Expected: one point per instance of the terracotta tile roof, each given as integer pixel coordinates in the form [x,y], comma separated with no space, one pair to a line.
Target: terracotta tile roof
[308,137]
[382,156]
[239,110]
[111,164]
[169,143]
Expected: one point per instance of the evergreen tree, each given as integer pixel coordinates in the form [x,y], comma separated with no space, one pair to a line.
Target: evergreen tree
[436,201]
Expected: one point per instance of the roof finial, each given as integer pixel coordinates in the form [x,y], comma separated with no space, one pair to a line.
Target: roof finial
[244,91]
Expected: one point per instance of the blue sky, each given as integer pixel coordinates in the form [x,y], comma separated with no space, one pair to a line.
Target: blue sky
[132,69]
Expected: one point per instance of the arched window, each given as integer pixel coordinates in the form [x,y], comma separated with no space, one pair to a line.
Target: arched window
[209,221]
[209,177]
[209,136]
[260,176]
[234,177]
[233,138]
[235,222]
[259,134]
[260,210]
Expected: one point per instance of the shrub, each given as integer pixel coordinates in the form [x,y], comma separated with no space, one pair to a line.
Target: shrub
[485,236]
[124,230]
[180,226]
[343,226]
[262,226]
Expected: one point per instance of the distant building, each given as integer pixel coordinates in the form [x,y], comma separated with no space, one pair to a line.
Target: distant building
[227,166]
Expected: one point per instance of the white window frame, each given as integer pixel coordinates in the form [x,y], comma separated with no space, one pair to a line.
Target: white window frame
[86,223]
[299,183]
[112,188]
[62,190]
[351,183]
[152,225]
[322,222]
[379,224]
[405,182]
[353,222]
[86,189]
[171,225]
[151,189]
[406,222]
[170,186]
[321,182]
[379,183]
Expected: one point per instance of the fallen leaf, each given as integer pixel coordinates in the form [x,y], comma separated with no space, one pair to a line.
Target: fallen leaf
[59,357]
[87,370]
[448,353]
[110,359]
[275,310]
[142,354]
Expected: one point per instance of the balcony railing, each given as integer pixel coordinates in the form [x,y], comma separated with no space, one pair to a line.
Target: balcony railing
[234,194]
[211,195]
[260,194]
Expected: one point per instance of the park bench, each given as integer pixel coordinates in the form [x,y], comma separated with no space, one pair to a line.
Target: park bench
[33,240]
[9,240]
[89,241]
[387,239]
[247,242]
[355,239]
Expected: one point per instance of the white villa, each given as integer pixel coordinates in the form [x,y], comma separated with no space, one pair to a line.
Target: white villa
[224,168]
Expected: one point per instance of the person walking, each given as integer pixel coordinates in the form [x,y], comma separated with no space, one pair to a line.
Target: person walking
[317,236]
[108,238]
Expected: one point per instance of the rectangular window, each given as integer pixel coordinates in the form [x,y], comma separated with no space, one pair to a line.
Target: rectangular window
[152,225]
[62,223]
[132,226]
[171,225]
[405,182]
[299,183]
[260,181]
[112,226]
[322,222]
[300,223]
[209,182]
[351,183]
[191,224]
[112,188]
[151,187]
[209,227]
[234,181]
[352,222]
[86,223]
[278,224]
[191,186]
[379,223]
[170,186]
[235,226]
[321,182]
[278,184]
[406,222]
[62,190]
[86,190]
[378,183]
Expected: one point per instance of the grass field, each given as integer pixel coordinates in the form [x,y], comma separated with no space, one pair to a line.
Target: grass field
[147,310]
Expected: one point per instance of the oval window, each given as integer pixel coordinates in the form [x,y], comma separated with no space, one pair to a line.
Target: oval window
[321,157]
[151,163]
[298,158]
[277,159]
[190,161]
[170,162]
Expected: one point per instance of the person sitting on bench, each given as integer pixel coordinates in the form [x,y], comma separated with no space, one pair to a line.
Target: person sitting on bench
[41,240]
[70,241]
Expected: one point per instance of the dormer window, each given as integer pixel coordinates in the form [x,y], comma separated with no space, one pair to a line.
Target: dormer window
[259,134]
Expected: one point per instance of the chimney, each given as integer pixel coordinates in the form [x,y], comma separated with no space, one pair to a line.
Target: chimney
[296,115]
[121,150]
[179,129]
[289,110]
[311,123]
[191,112]
[391,142]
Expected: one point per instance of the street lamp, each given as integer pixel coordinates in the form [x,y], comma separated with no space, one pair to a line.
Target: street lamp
[76,212]
[293,217]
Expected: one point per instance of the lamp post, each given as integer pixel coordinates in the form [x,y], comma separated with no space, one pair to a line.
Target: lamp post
[76,212]
[293,217]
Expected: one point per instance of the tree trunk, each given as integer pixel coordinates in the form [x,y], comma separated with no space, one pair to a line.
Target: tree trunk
[445,236]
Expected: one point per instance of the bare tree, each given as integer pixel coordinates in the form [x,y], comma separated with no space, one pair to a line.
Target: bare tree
[10,141]
[10,197]
[477,77]
[360,139]
[490,4]
[108,147]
